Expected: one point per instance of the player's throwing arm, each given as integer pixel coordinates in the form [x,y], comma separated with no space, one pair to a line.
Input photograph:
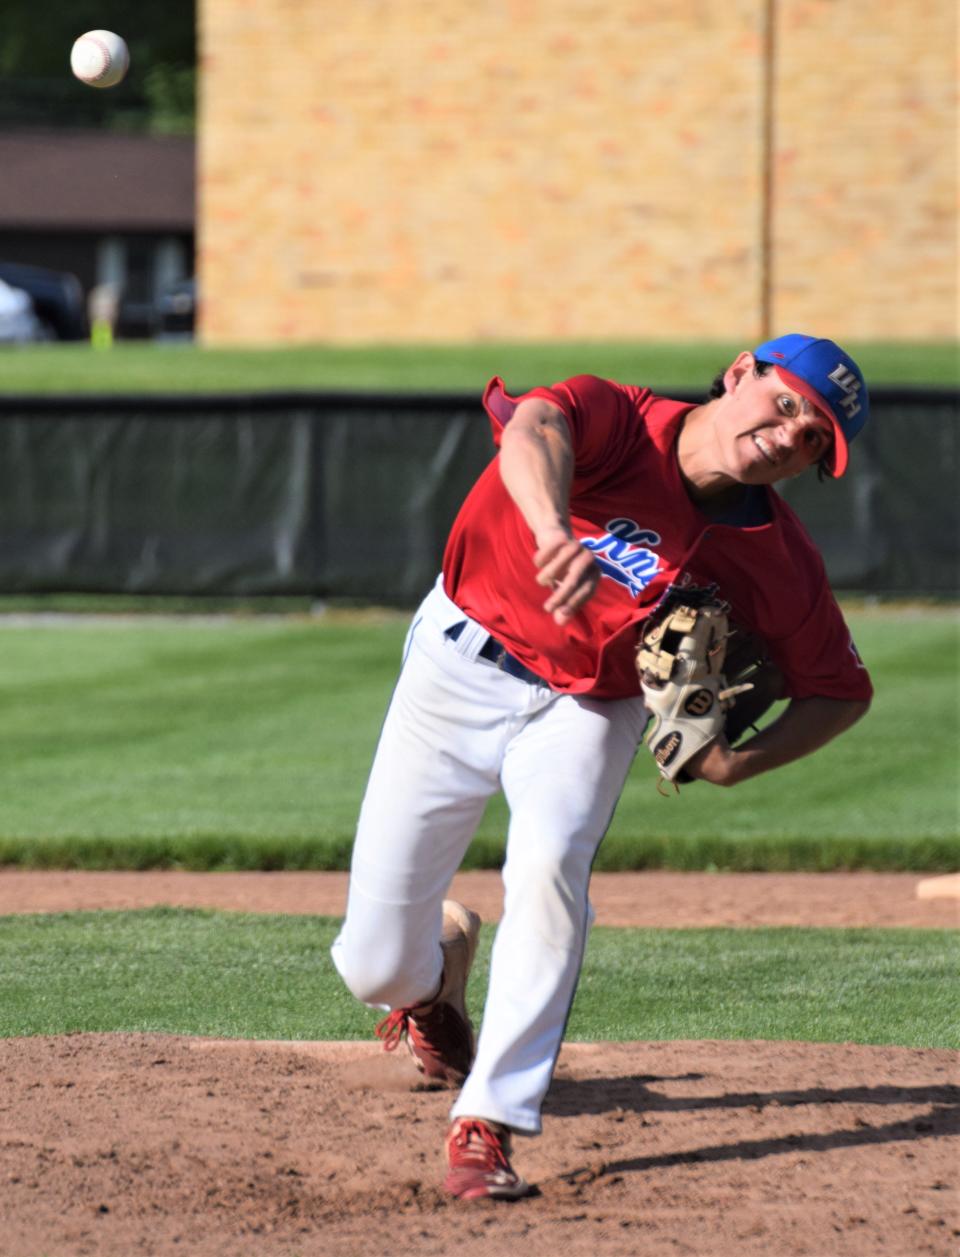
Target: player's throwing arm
[536,464]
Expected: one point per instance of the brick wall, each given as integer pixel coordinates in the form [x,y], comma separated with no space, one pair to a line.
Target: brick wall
[455,170]
[865,200]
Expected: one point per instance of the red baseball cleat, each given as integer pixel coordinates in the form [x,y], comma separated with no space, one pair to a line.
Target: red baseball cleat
[438,1033]
[478,1154]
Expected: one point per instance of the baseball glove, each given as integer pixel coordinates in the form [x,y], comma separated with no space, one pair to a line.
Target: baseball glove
[700,678]
[748,662]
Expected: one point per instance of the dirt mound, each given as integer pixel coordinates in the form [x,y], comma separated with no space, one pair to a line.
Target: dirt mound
[641,899]
[117,1145]
[150,1144]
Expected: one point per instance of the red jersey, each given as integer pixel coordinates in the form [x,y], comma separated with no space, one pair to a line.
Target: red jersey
[628,505]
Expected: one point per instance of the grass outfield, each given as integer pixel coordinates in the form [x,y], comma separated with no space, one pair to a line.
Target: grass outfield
[165,368]
[245,743]
[270,977]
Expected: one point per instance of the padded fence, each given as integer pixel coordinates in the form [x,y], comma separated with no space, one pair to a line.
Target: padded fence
[351,496]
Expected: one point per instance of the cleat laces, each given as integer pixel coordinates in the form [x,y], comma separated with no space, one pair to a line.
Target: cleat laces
[439,1040]
[393,1029]
[478,1147]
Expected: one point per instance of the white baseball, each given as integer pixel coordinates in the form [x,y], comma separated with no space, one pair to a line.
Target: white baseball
[99,58]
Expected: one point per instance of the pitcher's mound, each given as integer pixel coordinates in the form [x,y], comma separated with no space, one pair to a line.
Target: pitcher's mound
[155,1145]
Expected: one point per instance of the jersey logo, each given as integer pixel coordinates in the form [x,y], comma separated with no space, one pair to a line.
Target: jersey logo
[622,554]
[850,386]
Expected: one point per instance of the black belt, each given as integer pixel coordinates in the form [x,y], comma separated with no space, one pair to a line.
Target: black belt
[496,653]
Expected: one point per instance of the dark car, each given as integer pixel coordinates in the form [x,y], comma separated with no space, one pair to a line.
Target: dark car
[57,298]
[177,309]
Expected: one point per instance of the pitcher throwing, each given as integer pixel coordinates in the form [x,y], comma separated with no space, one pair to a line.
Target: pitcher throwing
[599,560]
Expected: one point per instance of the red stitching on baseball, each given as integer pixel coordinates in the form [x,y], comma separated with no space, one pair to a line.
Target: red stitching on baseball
[95,39]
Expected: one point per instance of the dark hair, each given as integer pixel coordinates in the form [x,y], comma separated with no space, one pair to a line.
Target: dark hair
[718,388]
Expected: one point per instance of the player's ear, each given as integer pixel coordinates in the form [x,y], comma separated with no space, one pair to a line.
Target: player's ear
[742,365]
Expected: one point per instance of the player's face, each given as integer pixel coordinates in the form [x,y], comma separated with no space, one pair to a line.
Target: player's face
[766,431]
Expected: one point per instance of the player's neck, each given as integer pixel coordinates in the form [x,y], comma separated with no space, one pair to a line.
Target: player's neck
[713,490]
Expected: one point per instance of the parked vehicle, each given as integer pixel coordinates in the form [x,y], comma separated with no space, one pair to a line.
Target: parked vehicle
[57,297]
[177,309]
[18,320]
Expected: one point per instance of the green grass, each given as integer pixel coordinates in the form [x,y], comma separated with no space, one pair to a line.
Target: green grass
[245,743]
[270,977]
[164,368]
[242,745]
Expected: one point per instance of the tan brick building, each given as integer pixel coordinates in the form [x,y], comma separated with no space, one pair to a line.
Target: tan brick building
[455,170]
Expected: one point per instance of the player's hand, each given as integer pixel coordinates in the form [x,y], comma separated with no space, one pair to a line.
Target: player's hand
[716,763]
[568,570]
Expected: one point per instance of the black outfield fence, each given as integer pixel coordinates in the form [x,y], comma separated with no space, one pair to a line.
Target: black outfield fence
[347,495]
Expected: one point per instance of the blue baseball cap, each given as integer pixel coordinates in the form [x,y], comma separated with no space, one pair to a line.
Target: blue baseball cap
[829,378]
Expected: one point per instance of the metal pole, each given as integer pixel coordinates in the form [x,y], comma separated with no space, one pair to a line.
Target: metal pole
[767,160]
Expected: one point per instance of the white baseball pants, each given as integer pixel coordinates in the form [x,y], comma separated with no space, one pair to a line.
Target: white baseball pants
[458,729]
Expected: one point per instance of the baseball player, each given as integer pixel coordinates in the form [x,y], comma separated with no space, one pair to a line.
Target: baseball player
[604,505]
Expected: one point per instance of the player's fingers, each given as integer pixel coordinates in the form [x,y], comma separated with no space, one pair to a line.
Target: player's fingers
[575,589]
[569,597]
[555,559]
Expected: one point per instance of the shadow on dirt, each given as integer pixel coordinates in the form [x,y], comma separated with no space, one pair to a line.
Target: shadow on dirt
[940,1115]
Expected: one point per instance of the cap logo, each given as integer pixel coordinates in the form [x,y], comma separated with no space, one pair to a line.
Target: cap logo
[850,386]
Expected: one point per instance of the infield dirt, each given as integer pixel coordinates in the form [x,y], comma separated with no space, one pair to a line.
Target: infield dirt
[149,1144]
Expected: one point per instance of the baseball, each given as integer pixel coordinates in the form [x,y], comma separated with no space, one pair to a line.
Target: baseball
[99,58]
